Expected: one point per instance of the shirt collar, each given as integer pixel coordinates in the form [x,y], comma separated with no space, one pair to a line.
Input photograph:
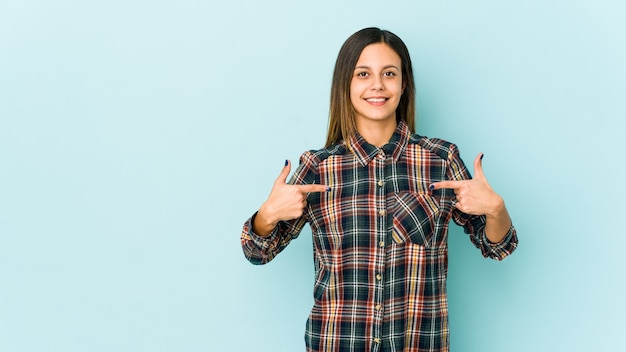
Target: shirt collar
[365,152]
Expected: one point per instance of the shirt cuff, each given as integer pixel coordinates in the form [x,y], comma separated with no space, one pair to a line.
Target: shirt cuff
[262,242]
[503,248]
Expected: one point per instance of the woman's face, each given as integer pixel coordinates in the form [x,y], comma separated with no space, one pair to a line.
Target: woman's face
[376,85]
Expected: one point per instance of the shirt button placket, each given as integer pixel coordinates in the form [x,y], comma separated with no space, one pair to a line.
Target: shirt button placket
[380,251]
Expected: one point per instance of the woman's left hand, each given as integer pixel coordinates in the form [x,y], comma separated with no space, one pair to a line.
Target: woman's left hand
[475,196]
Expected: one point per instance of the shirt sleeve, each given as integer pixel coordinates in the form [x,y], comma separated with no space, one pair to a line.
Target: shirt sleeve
[261,250]
[474,225]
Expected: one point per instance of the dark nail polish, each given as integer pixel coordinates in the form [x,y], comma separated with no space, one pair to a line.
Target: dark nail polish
[481,157]
[328,189]
[432,186]
[286,162]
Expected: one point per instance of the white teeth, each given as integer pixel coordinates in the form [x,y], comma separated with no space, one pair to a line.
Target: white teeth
[376,100]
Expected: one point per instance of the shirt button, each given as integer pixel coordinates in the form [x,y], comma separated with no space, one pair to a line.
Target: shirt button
[380,183]
[379,307]
[381,244]
[381,212]
[379,277]
[377,340]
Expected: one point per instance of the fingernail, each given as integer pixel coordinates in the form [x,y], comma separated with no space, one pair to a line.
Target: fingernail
[432,186]
[286,162]
[481,157]
[328,189]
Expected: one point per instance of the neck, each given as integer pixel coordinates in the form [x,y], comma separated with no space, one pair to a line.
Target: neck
[377,133]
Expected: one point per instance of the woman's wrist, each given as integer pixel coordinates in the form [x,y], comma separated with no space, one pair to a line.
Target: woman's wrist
[262,224]
[497,209]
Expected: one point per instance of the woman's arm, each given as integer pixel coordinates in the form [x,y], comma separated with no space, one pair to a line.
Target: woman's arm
[278,220]
[476,197]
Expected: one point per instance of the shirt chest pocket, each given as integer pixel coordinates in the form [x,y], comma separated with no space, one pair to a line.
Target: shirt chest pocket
[414,218]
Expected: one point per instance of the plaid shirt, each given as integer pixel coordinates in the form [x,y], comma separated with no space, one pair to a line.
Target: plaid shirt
[380,243]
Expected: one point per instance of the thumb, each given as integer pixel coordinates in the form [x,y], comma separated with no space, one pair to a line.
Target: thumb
[282,177]
[478,166]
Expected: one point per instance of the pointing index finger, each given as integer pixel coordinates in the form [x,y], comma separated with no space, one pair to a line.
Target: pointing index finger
[446,184]
[313,188]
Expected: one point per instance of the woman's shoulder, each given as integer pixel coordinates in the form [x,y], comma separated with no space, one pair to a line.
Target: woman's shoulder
[319,155]
[438,146]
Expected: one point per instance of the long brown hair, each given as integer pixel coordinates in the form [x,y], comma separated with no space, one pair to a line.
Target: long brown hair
[342,122]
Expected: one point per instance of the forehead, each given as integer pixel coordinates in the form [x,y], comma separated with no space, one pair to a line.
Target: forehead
[379,54]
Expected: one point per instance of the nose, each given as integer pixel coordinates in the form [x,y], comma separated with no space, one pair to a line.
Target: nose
[377,83]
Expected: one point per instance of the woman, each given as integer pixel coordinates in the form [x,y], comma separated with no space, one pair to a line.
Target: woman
[379,199]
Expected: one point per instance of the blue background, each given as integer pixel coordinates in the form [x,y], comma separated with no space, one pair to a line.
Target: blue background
[137,136]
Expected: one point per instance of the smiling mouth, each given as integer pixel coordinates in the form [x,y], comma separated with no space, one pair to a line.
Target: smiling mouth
[376,100]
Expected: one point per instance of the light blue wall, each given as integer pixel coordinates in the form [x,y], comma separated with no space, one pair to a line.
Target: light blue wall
[137,136]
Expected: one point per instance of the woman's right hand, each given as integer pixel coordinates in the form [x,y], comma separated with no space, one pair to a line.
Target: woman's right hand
[285,202]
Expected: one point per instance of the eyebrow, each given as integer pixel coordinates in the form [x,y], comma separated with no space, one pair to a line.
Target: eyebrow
[384,68]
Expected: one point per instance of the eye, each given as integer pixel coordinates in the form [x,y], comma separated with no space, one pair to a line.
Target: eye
[362,74]
[389,74]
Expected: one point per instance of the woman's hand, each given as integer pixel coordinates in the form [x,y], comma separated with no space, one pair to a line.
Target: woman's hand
[285,202]
[476,197]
